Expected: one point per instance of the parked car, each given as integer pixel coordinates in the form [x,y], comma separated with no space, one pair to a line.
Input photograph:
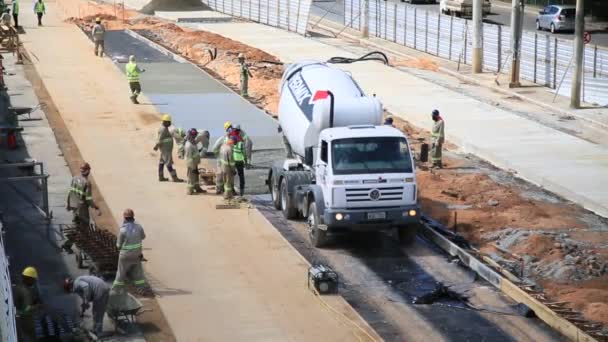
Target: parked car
[420,1]
[556,18]
[462,8]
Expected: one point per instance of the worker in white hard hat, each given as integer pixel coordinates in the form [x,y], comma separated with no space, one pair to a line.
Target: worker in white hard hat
[245,74]
[164,143]
[98,33]
[129,244]
[133,71]
[26,296]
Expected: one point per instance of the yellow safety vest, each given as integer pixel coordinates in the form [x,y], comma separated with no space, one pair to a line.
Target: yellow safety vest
[132,72]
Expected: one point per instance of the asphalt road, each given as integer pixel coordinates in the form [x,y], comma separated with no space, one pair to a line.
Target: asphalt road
[501,15]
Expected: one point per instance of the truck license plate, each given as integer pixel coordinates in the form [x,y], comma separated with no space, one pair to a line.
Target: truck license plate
[376,216]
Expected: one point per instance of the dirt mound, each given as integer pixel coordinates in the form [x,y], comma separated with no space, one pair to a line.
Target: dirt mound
[590,297]
[174,5]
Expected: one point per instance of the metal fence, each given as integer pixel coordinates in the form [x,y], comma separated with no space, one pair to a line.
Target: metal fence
[8,330]
[545,59]
[291,15]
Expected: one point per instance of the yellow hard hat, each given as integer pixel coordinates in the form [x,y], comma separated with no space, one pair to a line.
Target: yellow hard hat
[166,117]
[98,19]
[30,272]
[227,125]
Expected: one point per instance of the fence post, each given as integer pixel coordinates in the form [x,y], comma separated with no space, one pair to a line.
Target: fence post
[535,54]
[278,13]
[405,25]
[555,63]
[595,62]
[415,26]
[267,12]
[499,54]
[386,20]
[451,32]
[241,8]
[260,10]
[466,36]
[249,16]
[438,31]
[426,31]
[395,24]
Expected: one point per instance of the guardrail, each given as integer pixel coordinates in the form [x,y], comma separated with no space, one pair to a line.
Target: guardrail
[291,15]
[545,59]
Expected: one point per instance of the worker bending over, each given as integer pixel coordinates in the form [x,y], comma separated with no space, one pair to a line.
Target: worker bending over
[133,71]
[99,33]
[164,143]
[437,139]
[94,290]
[193,159]
[129,244]
[80,199]
[27,300]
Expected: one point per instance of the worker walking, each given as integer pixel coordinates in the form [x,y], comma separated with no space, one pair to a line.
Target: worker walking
[227,161]
[99,33]
[40,10]
[26,296]
[133,71]
[164,143]
[94,290]
[193,158]
[437,139]
[245,74]
[15,6]
[80,199]
[129,243]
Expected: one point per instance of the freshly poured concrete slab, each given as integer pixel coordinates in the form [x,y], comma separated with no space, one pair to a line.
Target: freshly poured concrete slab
[193,16]
[191,96]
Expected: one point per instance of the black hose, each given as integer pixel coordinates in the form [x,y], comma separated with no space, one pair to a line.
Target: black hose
[372,56]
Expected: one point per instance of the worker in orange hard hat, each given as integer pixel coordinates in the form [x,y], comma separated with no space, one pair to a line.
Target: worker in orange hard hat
[98,33]
[80,199]
[129,244]
[27,300]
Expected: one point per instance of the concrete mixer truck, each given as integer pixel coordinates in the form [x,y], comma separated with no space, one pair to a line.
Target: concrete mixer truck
[347,172]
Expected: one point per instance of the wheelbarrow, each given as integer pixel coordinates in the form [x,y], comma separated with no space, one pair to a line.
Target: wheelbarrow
[124,308]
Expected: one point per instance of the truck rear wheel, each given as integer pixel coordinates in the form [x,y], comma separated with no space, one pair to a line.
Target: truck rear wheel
[407,234]
[289,211]
[275,194]
[318,237]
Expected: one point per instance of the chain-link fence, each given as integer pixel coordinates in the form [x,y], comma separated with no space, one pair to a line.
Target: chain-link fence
[545,59]
[291,15]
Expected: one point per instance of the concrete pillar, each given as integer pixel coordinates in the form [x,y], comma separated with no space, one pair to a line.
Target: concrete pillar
[365,19]
[579,53]
[516,33]
[477,36]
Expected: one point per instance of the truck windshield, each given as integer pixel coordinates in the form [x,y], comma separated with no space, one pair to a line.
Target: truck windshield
[370,155]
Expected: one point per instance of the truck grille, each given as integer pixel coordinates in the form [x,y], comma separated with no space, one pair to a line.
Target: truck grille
[372,194]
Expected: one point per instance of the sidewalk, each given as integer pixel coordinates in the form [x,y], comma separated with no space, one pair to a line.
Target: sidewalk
[559,162]
[220,275]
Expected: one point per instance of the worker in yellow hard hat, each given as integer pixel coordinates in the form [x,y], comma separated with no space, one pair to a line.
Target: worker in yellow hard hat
[98,33]
[164,143]
[27,300]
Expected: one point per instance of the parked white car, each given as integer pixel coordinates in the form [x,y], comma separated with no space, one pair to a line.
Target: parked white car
[462,8]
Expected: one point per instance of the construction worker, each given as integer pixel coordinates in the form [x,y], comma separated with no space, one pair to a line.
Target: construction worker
[165,144]
[238,154]
[129,243]
[245,74]
[219,174]
[247,143]
[80,199]
[179,135]
[133,71]
[94,290]
[40,10]
[389,122]
[203,139]
[27,300]
[227,161]
[193,158]
[16,13]
[99,33]
[437,139]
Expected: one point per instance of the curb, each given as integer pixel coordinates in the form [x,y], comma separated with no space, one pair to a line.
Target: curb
[469,79]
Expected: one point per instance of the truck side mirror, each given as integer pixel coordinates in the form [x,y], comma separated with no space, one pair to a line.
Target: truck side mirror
[424,153]
[308,156]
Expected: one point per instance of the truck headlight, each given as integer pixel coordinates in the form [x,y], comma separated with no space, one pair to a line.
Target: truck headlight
[339,217]
[412,212]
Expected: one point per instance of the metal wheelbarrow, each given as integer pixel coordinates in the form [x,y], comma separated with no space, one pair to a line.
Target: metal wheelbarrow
[124,308]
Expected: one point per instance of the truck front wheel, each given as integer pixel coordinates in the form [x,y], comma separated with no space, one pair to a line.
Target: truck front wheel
[274,192]
[289,210]
[318,237]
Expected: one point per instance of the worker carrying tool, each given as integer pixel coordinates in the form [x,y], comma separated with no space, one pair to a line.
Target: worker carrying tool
[40,10]
[80,199]
[26,296]
[437,139]
[245,74]
[129,244]
[193,158]
[133,71]
[99,33]
[94,290]
[226,158]
[247,144]
[164,143]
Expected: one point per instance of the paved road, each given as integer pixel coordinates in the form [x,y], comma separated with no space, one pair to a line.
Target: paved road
[501,14]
